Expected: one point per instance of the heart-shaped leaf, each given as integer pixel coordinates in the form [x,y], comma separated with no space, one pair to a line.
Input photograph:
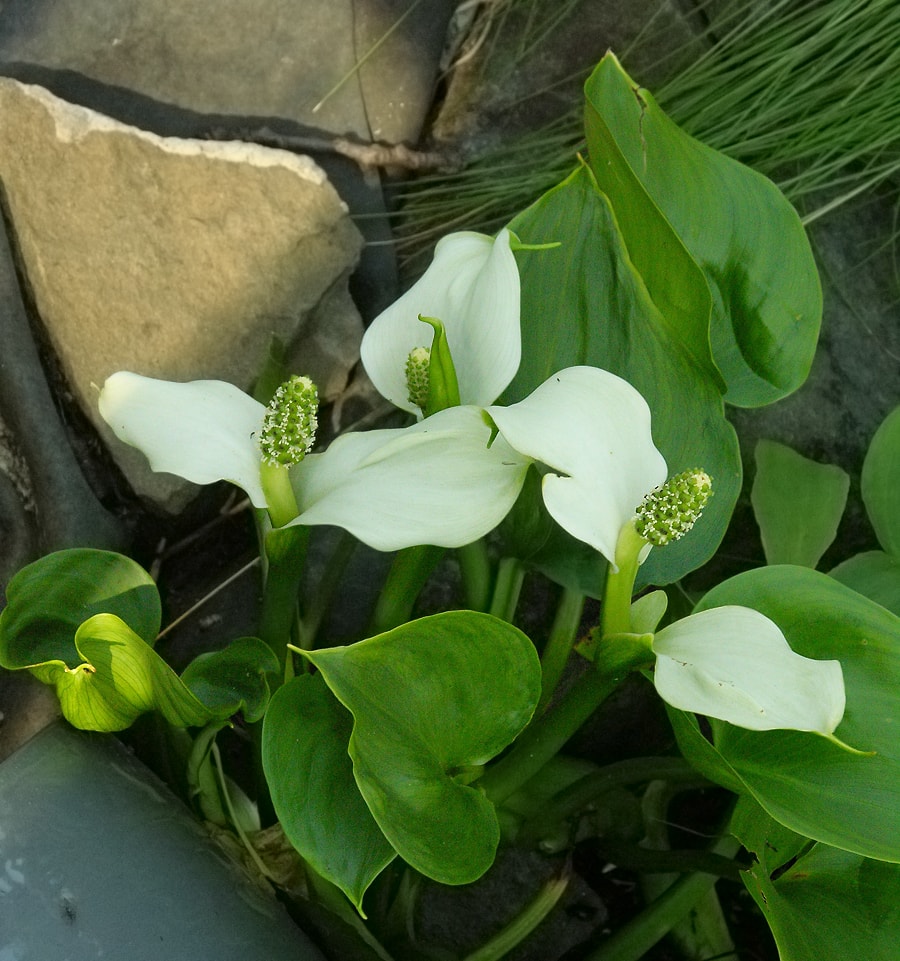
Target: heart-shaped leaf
[683,207]
[806,782]
[310,776]
[48,600]
[432,701]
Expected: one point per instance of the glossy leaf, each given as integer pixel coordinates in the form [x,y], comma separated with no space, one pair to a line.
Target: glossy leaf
[828,904]
[310,776]
[873,574]
[682,208]
[798,504]
[236,678]
[806,782]
[881,482]
[48,600]
[619,328]
[432,701]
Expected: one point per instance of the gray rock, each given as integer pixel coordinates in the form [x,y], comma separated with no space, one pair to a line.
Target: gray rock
[176,258]
[363,69]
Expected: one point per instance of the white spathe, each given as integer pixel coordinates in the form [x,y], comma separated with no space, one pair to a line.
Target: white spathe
[472,287]
[592,429]
[442,481]
[436,482]
[204,430]
[734,663]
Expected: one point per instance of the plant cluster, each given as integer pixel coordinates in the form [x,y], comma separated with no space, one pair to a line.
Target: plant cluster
[567,380]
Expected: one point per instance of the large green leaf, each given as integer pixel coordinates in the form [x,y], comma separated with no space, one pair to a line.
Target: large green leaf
[432,701]
[48,600]
[873,574]
[822,903]
[804,781]
[584,303]
[881,482]
[683,209]
[310,776]
[798,504]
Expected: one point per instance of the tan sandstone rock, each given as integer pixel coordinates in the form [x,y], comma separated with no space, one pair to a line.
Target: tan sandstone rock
[179,259]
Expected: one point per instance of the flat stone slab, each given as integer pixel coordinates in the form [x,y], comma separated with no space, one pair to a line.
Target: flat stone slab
[175,258]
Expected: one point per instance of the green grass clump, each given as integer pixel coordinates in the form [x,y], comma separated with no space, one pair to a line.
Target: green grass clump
[805,91]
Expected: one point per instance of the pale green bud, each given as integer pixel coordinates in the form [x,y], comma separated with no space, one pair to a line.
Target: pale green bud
[418,379]
[670,511]
[290,422]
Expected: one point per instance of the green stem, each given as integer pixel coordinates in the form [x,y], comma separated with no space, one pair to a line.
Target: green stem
[477,574]
[285,552]
[409,571]
[635,939]
[281,501]
[510,576]
[563,633]
[320,599]
[615,616]
[586,790]
[547,735]
[523,924]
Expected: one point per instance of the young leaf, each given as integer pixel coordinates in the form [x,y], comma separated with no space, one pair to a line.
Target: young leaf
[119,678]
[432,701]
[684,208]
[310,775]
[234,679]
[49,599]
[798,504]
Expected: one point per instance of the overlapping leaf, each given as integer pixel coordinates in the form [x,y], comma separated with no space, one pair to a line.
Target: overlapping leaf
[310,776]
[584,303]
[805,782]
[84,621]
[432,701]
[684,208]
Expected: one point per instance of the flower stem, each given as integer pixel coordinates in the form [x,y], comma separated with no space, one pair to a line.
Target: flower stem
[523,924]
[285,551]
[615,618]
[563,633]
[280,498]
[546,735]
[477,574]
[510,576]
[585,791]
[409,571]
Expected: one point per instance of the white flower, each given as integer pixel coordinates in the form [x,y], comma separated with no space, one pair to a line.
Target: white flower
[437,482]
[443,481]
[592,429]
[472,288]
[733,663]
[203,431]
